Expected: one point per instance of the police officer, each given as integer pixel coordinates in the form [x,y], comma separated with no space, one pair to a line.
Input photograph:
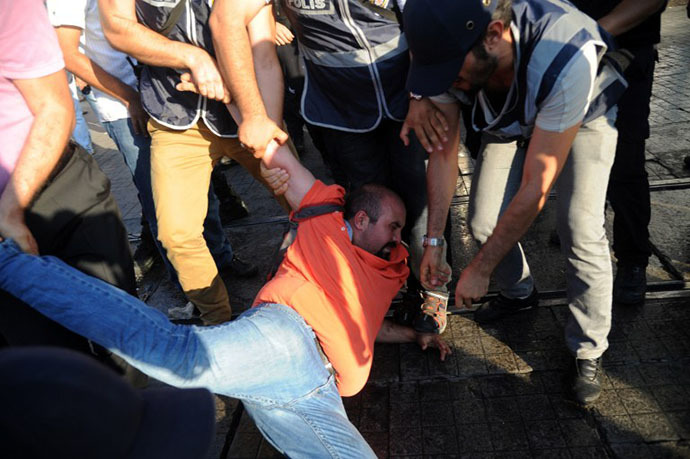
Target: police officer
[545,106]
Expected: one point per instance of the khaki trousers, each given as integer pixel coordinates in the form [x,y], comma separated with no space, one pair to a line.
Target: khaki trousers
[181,164]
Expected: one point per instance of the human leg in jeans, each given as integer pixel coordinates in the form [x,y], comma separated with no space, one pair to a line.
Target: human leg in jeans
[267,357]
[136,150]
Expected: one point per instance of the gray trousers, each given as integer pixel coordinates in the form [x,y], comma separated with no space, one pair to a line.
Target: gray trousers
[581,192]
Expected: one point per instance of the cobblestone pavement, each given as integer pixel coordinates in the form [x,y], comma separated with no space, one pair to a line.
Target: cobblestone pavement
[500,394]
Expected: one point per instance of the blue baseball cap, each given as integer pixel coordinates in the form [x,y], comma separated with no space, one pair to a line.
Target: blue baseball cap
[440,33]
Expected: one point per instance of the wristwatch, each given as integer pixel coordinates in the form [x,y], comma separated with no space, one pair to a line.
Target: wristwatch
[433,241]
[414,96]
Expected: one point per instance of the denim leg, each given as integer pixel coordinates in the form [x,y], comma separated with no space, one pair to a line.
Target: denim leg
[496,180]
[581,191]
[136,150]
[267,357]
[81,133]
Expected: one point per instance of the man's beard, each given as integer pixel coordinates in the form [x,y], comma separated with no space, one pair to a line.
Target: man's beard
[486,66]
[385,251]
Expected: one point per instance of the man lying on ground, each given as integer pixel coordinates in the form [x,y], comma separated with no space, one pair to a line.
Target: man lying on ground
[308,339]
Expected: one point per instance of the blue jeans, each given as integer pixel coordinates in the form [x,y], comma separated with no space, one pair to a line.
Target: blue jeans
[136,150]
[581,191]
[267,357]
[81,133]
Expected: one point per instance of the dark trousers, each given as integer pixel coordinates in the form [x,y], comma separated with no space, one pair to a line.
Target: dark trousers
[76,219]
[378,156]
[628,191]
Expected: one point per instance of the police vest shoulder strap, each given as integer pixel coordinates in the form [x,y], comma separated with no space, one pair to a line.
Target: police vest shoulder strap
[393,15]
[175,14]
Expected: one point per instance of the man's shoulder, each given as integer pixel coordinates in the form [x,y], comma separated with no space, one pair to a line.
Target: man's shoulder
[320,193]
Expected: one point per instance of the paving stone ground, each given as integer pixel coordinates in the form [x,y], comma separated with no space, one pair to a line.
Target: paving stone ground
[500,394]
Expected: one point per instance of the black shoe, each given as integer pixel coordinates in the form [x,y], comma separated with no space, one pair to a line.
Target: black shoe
[240,268]
[630,284]
[409,308]
[585,380]
[502,306]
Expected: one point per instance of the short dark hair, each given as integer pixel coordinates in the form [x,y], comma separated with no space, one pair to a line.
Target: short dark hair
[503,13]
[367,198]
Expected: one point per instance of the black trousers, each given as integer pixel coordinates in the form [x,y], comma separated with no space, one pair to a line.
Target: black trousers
[628,191]
[76,219]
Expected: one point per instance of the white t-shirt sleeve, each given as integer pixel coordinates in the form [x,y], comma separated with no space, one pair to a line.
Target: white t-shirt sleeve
[70,13]
[569,99]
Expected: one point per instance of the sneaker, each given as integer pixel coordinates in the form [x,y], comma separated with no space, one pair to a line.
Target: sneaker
[433,316]
[502,306]
[240,268]
[630,284]
[182,312]
[585,380]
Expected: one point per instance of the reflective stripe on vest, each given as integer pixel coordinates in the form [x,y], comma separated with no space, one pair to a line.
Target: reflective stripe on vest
[163,102]
[547,35]
[355,60]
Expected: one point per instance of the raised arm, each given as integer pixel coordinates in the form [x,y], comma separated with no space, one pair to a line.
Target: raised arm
[243,35]
[279,162]
[50,102]
[93,74]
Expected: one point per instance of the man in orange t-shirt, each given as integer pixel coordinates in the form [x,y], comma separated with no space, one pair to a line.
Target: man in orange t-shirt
[329,297]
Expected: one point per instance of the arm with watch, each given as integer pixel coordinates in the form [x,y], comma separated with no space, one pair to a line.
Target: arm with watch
[442,176]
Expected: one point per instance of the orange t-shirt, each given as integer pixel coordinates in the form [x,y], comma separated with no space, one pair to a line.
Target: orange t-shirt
[342,291]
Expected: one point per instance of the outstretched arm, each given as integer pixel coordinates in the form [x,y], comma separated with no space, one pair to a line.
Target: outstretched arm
[282,169]
[393,333]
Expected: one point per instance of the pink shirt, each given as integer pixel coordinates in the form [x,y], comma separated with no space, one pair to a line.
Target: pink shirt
[28,49]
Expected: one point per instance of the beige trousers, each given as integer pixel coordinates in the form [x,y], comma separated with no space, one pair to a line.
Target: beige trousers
[181,164]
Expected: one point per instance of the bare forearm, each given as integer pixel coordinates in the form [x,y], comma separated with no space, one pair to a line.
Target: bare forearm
[301,179]
[93,74]
[269,75]
[512,225]
[393,333]
[124,33]
[43,148]
[229,21]
[442,177]
[629,14]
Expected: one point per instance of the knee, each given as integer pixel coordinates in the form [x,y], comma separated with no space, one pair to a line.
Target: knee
[174,234]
